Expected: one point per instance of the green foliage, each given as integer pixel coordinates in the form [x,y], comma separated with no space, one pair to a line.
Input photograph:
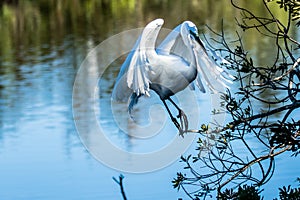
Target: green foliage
[204,128]
[244,193]
[289,193]
[178,180]
[247,192]
[283,135]
[292,6]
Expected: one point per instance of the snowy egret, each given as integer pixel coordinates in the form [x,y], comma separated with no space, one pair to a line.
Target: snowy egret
[180,59]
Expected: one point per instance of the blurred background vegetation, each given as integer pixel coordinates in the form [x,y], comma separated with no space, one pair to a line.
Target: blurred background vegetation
[31,28]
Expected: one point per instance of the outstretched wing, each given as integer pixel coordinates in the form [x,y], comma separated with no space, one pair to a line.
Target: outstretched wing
[174,44]
[209,67]
[207,61]
[133,77]
[122,91]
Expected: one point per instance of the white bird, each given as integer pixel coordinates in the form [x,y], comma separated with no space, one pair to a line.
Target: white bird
[179,60]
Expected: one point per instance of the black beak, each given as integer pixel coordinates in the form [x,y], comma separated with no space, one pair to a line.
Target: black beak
[196,36]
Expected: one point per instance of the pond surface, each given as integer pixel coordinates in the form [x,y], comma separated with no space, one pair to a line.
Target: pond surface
[42,46]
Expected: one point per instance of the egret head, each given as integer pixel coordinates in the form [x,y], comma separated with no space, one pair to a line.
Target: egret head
[192,27]
[192,32]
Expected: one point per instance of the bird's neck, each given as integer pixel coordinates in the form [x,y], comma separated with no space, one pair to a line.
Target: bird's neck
[192,70]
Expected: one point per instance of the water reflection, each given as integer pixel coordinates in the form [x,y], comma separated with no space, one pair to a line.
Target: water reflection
[42,46]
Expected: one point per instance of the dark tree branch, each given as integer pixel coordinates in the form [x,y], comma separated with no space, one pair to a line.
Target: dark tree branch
[120,183]
[276,89]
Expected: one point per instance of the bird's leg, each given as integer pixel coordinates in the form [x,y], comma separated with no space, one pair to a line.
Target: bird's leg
[181,115]
[174,120]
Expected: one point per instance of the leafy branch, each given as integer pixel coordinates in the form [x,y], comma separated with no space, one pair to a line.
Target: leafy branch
[262,110]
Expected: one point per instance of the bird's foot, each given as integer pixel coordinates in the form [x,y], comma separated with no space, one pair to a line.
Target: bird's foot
[183,121]
[178,126]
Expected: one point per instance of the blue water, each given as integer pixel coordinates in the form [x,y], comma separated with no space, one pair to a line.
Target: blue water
[41,153]
[42,157]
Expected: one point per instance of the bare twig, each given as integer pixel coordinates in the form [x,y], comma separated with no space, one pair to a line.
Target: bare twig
[120,183]
[249,164]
